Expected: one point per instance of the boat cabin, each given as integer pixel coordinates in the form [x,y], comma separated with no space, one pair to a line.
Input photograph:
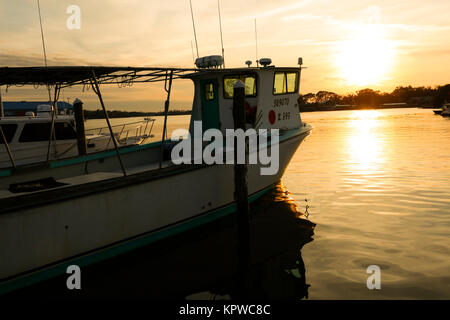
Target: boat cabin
[271,97]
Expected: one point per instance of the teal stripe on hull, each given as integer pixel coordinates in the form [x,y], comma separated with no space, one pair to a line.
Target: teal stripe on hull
[102,155]
[112,153]
[127,246]
[5,173]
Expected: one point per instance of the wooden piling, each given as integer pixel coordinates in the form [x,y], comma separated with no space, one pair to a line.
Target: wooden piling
[241,188]
[2,111]
[79,122]
[168,89]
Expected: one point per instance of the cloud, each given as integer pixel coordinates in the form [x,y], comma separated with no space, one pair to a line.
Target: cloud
[415,27]
[33,60]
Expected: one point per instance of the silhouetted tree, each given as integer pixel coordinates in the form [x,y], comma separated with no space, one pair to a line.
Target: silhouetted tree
[326,97]
[367,98]
[442,95]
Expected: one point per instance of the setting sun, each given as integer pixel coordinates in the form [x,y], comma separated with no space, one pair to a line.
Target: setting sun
[365,58]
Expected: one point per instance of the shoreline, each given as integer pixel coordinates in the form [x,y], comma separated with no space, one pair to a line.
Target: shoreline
[362,108]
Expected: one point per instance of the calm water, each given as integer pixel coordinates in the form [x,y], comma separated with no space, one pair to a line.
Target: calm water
[377,185]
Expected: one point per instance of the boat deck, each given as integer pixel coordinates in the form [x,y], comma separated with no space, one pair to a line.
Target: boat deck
[90,178]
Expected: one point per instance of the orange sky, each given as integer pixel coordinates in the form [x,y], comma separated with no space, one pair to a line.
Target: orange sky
[346,45]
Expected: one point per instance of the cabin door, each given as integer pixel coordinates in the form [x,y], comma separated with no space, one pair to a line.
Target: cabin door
[210,104]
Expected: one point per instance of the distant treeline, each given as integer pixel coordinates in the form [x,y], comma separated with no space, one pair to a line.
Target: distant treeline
[98,114]
[368,98]
[326,100]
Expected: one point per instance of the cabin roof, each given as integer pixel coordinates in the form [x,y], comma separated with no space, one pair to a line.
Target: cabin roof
[231,71]
[66,76]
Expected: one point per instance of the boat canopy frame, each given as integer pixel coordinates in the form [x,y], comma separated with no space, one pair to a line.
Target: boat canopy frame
[67,76]
[61,77]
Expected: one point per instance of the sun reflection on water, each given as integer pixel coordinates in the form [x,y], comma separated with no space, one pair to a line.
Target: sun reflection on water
[364,143]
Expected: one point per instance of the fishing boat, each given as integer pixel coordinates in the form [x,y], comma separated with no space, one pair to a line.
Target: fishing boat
[87,208]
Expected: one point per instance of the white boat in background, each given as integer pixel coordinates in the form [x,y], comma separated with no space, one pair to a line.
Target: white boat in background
[87,208]
[445,110]
[28,137]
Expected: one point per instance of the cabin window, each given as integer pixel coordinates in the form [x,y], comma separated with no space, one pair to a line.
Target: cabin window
[33,132]
[285,82]
[291,82]
[8,130]
[279,84]
[248,80]
[209,91]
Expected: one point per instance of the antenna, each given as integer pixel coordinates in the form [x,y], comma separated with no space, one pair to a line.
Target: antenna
[256,42]
[221,37]
[193,25]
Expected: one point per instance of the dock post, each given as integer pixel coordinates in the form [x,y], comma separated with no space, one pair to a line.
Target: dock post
[241,189]
[79,122]
[168,89]
[2,111]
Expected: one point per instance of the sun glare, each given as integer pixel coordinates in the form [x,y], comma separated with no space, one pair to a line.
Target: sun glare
[364,143]
[366,58]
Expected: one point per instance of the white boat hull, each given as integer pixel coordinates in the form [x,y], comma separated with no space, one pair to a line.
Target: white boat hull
[44,235]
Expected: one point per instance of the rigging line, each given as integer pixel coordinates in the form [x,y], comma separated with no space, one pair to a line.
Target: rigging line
[192,49]
[52,128]
[193,25]
[43,45]
[42,33]
[221,36]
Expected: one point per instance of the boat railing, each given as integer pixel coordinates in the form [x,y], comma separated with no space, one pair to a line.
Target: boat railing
[137,132]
